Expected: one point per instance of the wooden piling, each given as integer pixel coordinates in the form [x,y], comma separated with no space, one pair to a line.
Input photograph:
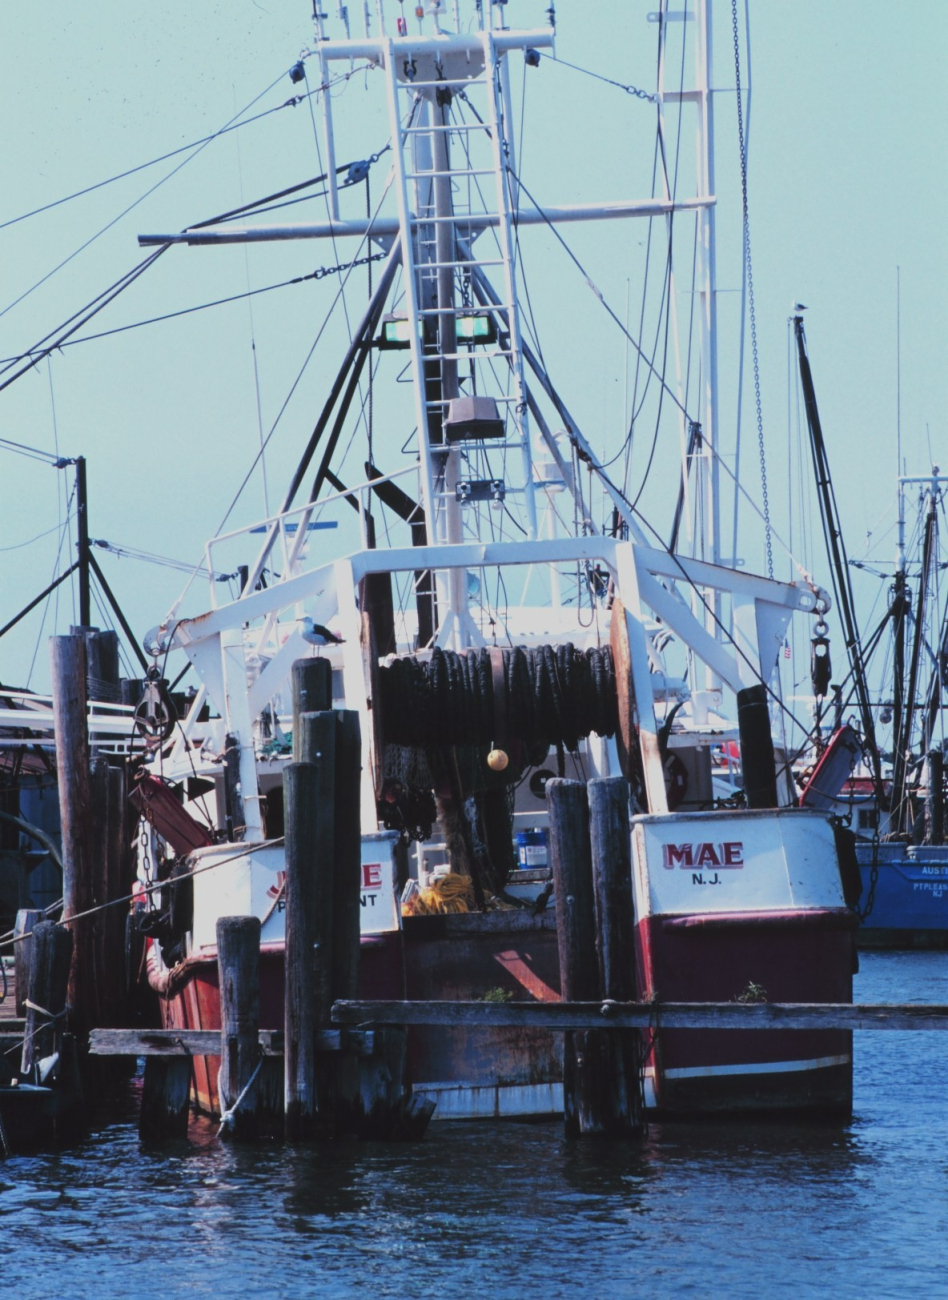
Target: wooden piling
[50,960]
[347,865]
[611,851]
[301,789]
[238,965]
[118,881]
[166,1099]
[68,664]
[102,1014]
[312,693]
[585,1057]
[102,663]
[26,919]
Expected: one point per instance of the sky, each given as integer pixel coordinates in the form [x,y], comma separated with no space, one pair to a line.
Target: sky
[847,185]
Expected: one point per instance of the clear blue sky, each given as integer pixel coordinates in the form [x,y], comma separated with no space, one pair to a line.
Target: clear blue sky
[847,183]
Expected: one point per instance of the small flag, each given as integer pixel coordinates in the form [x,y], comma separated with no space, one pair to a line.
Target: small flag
[786,649]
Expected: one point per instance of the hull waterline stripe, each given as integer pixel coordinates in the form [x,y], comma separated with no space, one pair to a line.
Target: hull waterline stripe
[756,1067]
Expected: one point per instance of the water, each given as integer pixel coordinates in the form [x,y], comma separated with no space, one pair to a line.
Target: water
[514,1210]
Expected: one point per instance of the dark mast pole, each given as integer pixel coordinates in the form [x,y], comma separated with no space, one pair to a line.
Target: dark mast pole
[82,519]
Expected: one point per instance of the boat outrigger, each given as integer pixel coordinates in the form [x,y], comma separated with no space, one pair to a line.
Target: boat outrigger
[502,616]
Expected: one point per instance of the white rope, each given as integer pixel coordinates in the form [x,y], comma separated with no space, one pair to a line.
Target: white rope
[227,1115]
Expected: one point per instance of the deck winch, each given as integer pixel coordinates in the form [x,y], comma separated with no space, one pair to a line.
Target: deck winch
[548,694]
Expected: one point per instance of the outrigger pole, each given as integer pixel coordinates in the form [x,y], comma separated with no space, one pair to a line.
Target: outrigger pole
[832,530]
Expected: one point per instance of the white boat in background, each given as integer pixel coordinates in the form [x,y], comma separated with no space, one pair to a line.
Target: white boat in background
[489,588]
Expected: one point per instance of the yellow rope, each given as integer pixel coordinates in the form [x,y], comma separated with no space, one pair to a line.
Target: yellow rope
[451,893]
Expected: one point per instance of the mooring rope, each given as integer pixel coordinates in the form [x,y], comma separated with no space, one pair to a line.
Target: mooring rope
[227,1115]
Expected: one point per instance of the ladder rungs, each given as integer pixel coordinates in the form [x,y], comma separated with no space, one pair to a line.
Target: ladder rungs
[439,266]
[488,444]
[466,311]
[459,126]
[451,171]
[477,356]
[462,219]
[443,401]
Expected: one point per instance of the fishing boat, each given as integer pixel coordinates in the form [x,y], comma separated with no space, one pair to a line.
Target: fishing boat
[901,848]
[881,771]
[494,608]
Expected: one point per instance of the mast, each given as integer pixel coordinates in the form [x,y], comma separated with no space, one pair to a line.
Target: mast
[708,288]
[82,543]
[905,690]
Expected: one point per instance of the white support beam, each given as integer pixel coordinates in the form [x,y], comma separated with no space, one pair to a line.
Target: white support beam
[386,227]
[628,581]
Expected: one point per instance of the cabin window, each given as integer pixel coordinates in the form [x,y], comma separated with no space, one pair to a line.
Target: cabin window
[868,819]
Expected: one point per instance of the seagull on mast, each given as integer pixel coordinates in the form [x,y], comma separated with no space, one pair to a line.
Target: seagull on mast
[317,635]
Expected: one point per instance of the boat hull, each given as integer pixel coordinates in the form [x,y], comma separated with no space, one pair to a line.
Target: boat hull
[469,1074]
[779,958]
[743,906]
[909,895]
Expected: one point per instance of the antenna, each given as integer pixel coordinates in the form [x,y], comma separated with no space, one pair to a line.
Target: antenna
[898,370]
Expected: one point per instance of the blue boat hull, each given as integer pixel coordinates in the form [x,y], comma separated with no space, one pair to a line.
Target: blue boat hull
[910,896]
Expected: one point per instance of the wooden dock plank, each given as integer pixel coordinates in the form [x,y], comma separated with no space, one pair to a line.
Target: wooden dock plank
[207,1042]
[564,1016]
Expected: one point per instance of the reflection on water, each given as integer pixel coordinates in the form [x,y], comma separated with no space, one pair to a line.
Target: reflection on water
[513,1209]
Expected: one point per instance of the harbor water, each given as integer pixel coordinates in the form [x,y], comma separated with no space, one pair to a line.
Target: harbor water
[513,1209]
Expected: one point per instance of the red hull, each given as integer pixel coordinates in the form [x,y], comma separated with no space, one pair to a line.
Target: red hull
[805,956]
[447,957]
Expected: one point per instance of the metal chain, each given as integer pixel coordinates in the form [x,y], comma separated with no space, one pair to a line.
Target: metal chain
[144,846]
[629,90]
[750,292]
[323,271]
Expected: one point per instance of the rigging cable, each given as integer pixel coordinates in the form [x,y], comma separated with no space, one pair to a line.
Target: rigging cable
[141,198]
[599,294]
[109,295]
[172,153]
[319,274]
[750,291]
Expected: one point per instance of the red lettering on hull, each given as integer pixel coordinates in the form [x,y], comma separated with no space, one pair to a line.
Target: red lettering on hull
[688,856]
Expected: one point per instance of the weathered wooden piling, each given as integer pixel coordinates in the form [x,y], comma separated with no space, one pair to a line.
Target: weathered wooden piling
[611,849]
[166,1099]
[50,959]
[306,970]
[238,964]
[118,881]
[68,663]
[347,872]
[312,693]
[26,919]
[585,1055]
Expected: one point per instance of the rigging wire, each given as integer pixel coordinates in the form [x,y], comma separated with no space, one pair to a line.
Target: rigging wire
[32,453]
[629,90]
[601,296]
[109,296]
[20,545]
[346,272]
[319,274]
[173,153]
[141,198]
[671,190]
[742,143]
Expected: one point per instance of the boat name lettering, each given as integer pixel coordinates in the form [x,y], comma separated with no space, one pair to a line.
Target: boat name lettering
[687,856]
